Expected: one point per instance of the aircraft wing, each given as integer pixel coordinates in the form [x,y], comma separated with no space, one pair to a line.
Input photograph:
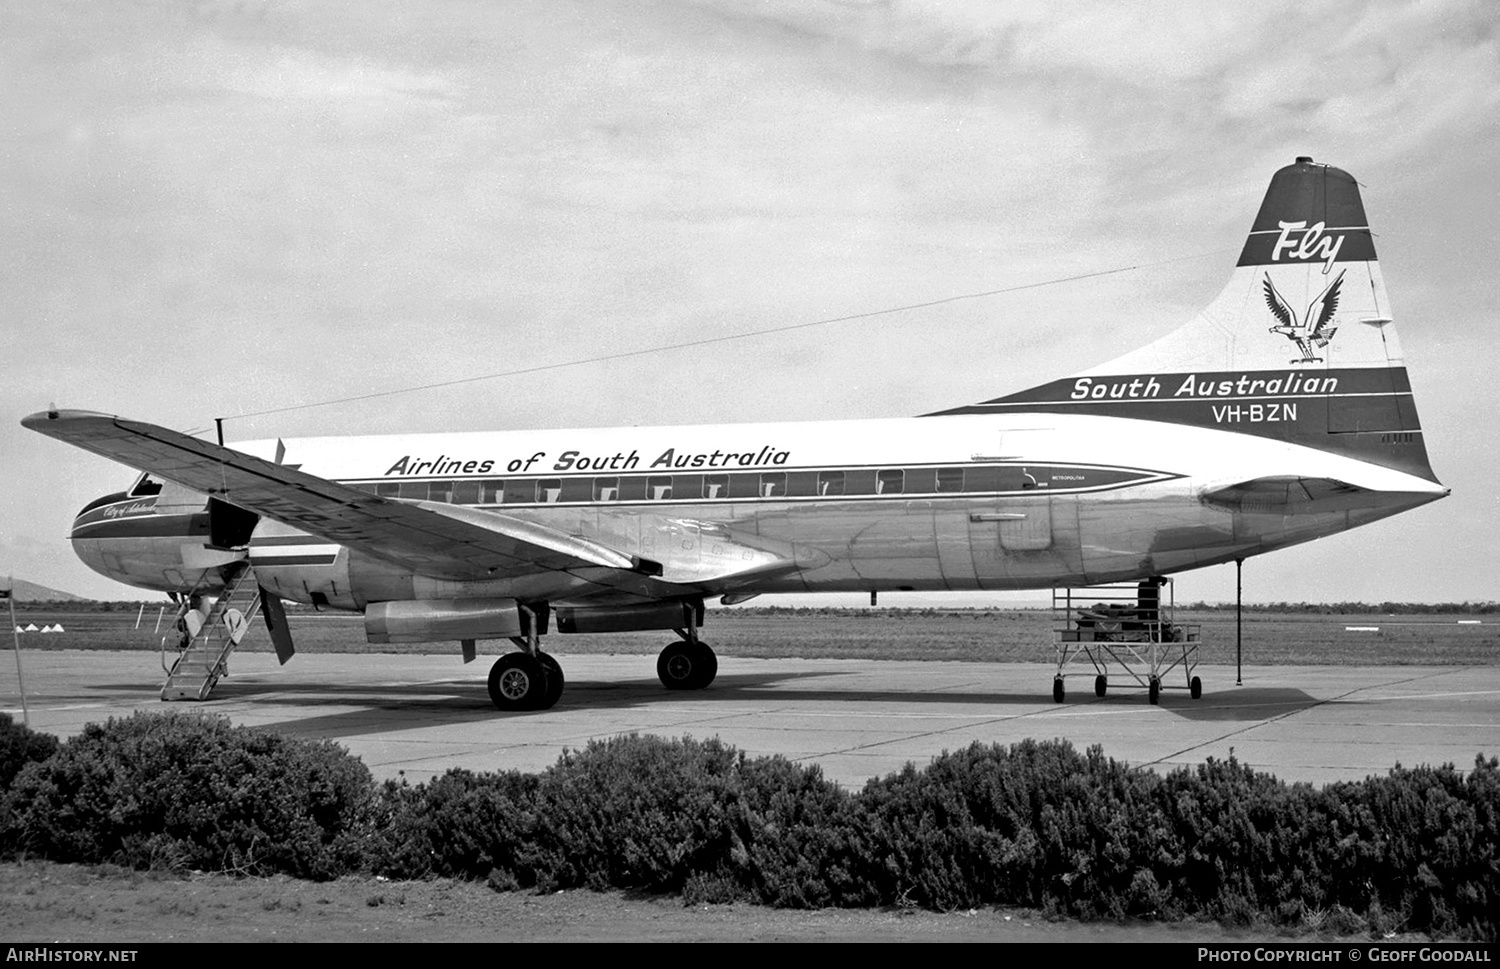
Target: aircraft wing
[442,541]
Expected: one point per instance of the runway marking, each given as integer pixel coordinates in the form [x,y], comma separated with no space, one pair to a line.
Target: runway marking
[1435,696]
[67,706]
[1290,713]
[977,721]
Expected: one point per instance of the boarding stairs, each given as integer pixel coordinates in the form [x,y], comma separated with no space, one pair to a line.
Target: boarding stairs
[1104,627]
[205,657]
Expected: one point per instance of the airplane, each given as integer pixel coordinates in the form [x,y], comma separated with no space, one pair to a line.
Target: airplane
[1219,441]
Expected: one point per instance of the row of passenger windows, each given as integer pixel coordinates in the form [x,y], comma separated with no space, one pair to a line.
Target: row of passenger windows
[713,487]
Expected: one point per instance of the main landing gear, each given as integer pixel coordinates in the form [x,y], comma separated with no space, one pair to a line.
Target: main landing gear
[687,665]
[520,681]
[528,679]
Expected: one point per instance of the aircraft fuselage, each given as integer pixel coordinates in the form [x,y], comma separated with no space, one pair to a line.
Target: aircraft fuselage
[938,503]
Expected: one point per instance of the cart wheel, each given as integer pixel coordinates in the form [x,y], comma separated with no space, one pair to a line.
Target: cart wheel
[1101,683]
[1195,688]
[1154,692]
[1057,689]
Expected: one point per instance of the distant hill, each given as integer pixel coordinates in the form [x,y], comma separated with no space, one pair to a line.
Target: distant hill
[31,592]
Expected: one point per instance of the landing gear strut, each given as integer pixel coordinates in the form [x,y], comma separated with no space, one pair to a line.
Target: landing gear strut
[527,679]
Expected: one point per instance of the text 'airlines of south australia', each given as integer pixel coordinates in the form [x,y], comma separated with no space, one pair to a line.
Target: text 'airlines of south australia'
[410,465]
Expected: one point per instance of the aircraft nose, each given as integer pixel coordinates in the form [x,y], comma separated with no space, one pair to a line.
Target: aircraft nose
[101,509]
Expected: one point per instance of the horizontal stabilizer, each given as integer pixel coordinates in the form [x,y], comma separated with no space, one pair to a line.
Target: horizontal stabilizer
[1294,495]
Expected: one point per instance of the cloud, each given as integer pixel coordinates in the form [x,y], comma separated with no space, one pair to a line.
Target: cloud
[292,74]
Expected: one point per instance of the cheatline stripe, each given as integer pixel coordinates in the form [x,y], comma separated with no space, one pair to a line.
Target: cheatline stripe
[1009,464]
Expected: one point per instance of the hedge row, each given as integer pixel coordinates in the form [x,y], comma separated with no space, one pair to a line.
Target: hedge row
[1037,825]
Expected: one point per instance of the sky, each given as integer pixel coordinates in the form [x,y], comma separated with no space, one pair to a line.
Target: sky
[222,209]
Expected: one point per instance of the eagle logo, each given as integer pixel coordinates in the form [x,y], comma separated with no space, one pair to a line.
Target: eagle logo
[1313,330]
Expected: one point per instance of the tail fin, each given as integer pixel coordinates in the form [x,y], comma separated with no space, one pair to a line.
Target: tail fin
[1300,345]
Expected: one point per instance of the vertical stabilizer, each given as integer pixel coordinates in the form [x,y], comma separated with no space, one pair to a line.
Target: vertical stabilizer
[1300,345]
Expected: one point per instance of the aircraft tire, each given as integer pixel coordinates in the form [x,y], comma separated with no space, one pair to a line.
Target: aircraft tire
[1101,684]
[517,682]
[1153,691]
[1057,690]
[555,680]
[684,666]
[710,665]
[1195,688]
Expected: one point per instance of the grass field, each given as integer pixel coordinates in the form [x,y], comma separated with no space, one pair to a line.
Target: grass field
[998,636]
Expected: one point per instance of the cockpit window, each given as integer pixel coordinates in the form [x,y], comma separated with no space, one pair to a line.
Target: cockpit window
[144,486]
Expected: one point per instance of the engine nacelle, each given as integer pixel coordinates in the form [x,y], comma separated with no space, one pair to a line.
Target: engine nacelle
[441,620]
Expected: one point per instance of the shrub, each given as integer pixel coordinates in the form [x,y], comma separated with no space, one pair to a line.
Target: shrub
[800,841]
[1245,839]
[184,790]
[635,812]
[1421,847]
[460,825]
[19,746]
[1037,824]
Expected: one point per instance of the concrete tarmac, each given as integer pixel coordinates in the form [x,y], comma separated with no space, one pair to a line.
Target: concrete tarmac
[418,716]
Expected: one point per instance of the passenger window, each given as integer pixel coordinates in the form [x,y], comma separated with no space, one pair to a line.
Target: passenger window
[632,489]
[773,484]
[491,492]
[520,491]
[606,489]
[889,482]
[744,486]
[414,489]
[950,479]
[982,479]
[830,483]
[802,484]
[716,486]
[388,489]
[440,491]
[919,481]
[659,488]
[465,493]
[859,482]
[548,489]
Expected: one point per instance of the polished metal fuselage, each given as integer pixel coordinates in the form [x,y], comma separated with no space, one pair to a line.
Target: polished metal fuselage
[1063,500]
